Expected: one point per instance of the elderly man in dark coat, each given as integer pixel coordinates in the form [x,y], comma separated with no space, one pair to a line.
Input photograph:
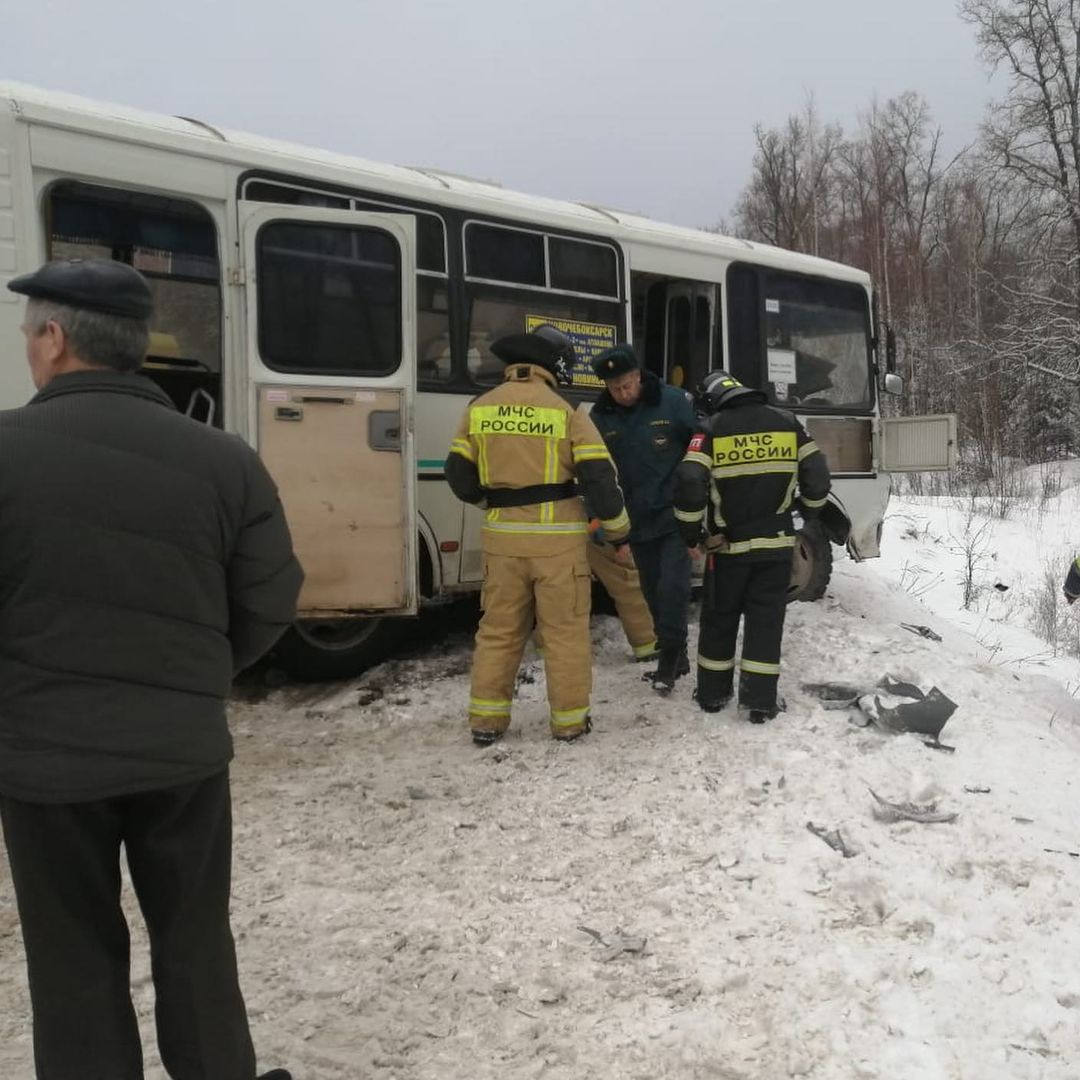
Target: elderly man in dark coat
[144,560]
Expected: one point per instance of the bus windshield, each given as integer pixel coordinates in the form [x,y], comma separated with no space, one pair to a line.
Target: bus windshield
[817,337]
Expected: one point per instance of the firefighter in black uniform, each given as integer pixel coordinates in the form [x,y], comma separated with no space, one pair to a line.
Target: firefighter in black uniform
[735,491]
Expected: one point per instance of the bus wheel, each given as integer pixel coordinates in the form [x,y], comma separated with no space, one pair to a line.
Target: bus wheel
[812,565]
[315,649]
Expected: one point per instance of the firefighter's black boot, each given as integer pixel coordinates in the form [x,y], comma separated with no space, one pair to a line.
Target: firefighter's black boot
[674,663]
[761,716]
[711,705]
[275,1074]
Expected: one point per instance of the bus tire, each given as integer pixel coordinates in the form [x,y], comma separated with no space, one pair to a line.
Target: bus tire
[811,567]
[316,649]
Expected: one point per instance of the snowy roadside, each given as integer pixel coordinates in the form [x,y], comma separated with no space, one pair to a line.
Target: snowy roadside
[409,907]
[1013,569]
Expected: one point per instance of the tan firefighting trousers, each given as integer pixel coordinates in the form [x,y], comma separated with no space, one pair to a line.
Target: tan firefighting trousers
[556,591]
[624,587]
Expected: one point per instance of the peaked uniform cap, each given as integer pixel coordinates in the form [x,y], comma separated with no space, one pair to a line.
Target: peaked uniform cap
[616,361]
[104,285]
[525,349]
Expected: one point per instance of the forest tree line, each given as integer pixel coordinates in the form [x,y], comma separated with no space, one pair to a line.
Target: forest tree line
[976,256]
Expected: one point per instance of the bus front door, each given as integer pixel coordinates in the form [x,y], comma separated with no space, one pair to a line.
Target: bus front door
[689,331]
[331,332]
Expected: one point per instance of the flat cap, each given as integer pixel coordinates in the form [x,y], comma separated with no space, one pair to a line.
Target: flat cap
[616,361]
[526,349]
[95,284]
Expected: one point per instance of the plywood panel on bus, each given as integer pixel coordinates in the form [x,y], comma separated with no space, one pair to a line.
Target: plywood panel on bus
[844,440]
[344,499]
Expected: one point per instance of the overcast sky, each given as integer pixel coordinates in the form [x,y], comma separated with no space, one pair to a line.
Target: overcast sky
[645,106]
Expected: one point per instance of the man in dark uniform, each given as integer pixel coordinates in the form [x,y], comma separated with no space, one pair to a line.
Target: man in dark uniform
[736,490]
[647,425]
[144,560]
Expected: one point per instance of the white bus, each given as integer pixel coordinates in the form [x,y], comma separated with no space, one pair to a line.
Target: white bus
[338,315]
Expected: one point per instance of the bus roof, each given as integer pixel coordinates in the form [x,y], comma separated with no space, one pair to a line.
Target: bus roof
[206,140]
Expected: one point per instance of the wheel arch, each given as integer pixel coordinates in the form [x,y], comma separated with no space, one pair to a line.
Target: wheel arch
[835,521]
[428,564]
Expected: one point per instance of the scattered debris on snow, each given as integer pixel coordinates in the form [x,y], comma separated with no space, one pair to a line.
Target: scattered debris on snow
[615,943]
[925,813]
[833,838]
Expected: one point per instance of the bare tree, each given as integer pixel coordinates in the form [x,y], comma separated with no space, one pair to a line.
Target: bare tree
[1033,136]
[789,192]
[1035,131]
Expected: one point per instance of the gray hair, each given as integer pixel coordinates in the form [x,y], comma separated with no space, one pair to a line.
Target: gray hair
[96,338]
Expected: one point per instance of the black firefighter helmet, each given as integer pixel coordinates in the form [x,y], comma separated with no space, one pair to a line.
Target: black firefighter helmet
[547,347]
[719,388]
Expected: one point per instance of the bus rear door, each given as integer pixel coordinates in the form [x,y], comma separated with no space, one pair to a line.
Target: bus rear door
[331,332]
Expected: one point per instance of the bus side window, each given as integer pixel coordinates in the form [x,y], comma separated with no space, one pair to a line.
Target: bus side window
[433,354]
[433,349]
[173,244]
[329,299]
[517,278]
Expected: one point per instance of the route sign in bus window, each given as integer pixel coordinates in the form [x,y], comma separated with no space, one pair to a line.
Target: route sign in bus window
[590,339]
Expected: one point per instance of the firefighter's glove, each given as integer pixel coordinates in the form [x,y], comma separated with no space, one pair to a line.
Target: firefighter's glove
[692,534]
[596,532]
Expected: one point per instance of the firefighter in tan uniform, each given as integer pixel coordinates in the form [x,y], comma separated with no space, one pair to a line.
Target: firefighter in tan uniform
[517,453]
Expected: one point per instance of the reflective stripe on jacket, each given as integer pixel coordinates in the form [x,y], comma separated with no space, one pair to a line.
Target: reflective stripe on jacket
[524,433]
[740,475]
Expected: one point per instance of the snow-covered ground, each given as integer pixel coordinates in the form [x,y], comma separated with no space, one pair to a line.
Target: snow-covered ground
[408,906]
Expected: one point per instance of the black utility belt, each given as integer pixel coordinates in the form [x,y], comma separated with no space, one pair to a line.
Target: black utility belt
[500,498]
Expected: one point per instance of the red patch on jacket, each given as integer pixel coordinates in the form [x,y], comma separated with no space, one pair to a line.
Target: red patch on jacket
[697,444]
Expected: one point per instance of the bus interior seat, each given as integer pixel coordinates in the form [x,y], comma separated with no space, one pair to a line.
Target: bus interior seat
[201,395]
[191,386]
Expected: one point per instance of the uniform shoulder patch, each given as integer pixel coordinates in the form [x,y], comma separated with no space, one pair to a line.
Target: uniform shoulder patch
[697,443]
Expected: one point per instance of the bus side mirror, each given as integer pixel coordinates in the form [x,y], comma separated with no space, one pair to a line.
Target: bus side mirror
[894,384]
[890,349]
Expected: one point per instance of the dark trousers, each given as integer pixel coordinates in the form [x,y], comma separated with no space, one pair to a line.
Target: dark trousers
[754,589]
[65,863]
[664,568]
